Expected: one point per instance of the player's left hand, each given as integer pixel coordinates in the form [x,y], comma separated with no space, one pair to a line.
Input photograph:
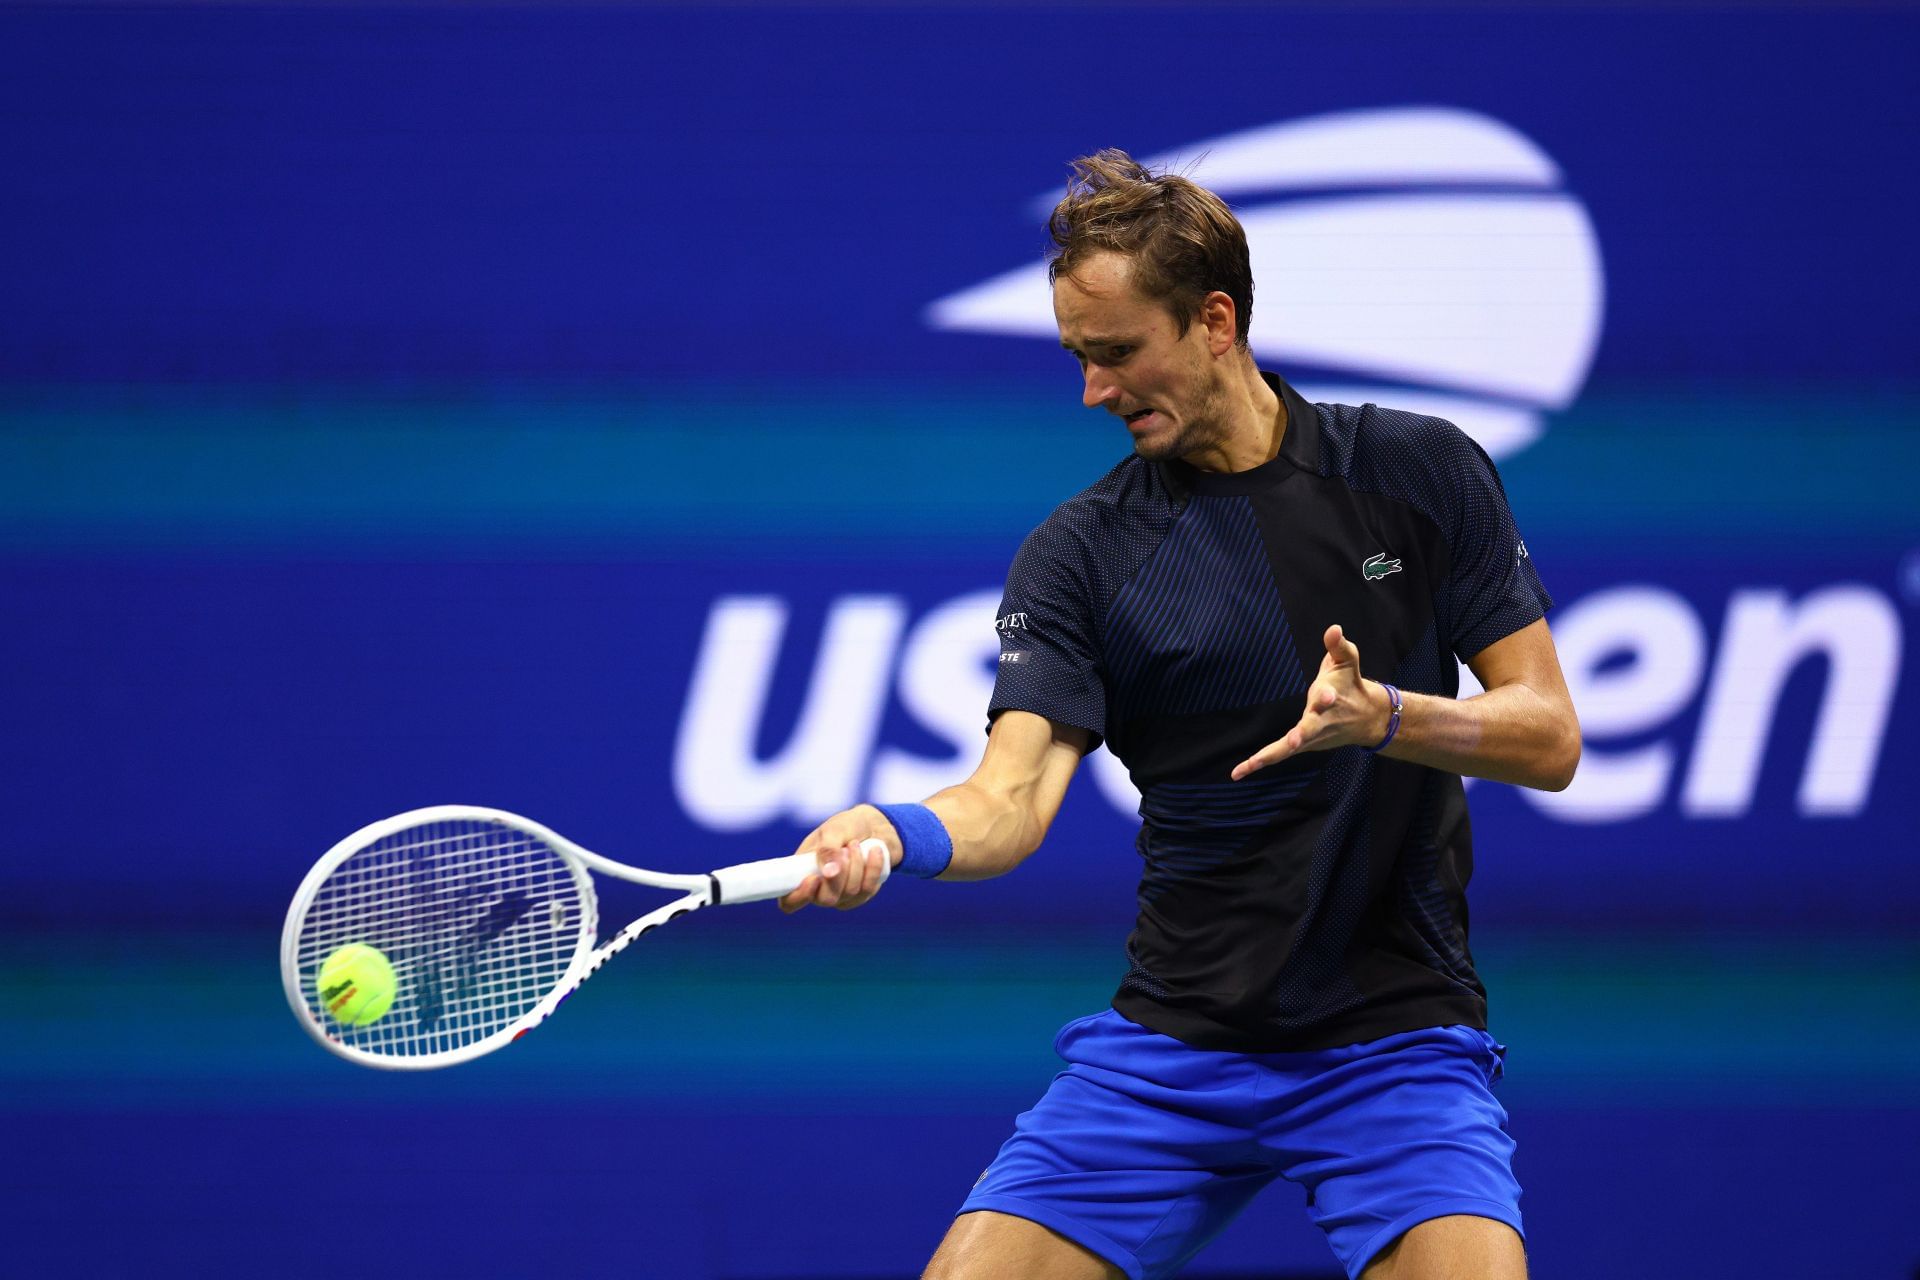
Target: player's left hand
[1342,709]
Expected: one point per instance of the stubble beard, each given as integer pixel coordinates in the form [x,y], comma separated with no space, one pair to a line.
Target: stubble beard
[1201,430]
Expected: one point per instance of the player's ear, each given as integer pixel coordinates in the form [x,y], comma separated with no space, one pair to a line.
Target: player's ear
[1220,319]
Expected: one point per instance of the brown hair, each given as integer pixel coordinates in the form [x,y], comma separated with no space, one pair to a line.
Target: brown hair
[1182,239]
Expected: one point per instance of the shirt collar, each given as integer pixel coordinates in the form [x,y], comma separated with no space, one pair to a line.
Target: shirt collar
[1299,451]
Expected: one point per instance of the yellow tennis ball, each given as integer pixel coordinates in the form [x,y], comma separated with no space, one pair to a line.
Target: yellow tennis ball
[357,985]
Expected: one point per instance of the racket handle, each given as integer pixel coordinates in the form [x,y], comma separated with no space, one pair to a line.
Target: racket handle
[778,877]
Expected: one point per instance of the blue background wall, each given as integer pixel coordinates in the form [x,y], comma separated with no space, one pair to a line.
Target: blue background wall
[394,405]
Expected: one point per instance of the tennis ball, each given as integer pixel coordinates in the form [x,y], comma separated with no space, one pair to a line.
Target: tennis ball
[356,985]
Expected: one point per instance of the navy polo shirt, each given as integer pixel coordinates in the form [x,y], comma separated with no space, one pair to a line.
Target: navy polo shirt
[1178,614]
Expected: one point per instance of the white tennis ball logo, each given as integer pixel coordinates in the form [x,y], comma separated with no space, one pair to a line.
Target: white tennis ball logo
[1423,257]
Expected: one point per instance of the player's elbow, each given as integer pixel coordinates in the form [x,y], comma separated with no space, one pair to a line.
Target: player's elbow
[1563,761]
[1562,776]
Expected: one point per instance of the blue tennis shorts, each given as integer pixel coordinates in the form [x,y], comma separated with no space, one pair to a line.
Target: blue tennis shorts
[1144,1148]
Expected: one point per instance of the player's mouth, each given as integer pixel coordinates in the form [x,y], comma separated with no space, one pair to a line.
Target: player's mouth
[1138,418]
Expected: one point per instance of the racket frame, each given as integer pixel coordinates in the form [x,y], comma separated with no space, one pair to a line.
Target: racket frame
[741,883]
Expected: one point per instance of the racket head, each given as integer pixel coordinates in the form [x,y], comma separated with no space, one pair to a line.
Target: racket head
[482,913]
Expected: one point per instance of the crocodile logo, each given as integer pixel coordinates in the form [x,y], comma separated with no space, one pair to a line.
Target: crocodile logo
[1378,567]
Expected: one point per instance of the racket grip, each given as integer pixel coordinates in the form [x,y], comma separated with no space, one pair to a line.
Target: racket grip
[778,877]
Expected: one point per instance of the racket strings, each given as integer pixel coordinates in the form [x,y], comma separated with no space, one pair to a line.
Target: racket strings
[480,921]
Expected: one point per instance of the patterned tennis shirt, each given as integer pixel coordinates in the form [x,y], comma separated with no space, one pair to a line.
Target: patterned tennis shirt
[1178,614]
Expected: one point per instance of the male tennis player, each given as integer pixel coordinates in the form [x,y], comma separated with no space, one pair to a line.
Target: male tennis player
[1259,611]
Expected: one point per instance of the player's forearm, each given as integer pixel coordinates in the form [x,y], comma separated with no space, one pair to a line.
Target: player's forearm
[1509,734]
[992,833]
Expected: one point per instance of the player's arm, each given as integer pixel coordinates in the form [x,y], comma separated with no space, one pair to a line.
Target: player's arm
[1522,730]
[994,819]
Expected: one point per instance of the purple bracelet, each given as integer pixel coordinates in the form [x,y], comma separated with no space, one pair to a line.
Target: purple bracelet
[1393,721]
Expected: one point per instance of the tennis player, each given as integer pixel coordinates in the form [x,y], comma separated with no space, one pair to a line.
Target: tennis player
[1259,611]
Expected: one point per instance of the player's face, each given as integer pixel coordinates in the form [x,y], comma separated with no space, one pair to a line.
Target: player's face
[1138,366]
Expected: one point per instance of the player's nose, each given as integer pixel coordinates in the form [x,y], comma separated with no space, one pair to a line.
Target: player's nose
[1100,388]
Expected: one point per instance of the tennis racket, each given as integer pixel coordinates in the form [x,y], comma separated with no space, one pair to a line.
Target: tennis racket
[489,921]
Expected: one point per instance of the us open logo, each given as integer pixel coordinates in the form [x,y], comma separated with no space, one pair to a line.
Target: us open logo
[1432,259]
[1426,258]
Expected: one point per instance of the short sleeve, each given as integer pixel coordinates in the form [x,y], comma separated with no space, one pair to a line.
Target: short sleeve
[1049,663]
[1492,587]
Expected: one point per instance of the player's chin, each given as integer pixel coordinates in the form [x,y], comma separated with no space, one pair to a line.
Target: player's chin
[1157,445]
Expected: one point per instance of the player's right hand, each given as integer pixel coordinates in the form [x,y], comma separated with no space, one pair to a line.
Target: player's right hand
[848,878]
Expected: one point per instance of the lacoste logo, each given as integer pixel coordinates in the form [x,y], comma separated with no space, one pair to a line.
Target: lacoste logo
[1378,567]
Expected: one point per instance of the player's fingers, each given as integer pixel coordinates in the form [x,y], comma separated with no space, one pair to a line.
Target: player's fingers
[832,874]
[853,874]
[802,896]
[1341,650]
[1254,763]
[1272,753]
[868,868]
[869,860]
[1324,696]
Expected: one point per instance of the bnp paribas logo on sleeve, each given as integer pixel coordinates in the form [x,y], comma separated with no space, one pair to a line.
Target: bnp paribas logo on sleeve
[1378,567]
[1429,258]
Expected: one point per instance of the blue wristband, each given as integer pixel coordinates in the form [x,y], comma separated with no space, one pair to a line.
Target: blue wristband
[925,846]
[1393,721]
